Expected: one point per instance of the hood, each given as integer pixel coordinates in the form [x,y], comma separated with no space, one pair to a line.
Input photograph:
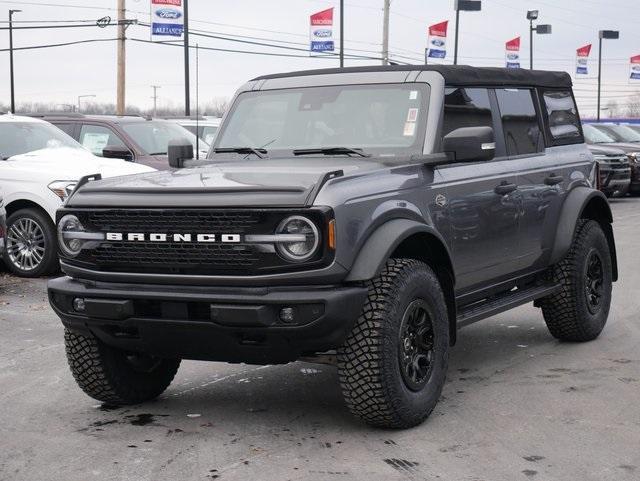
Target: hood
[265,182]
[604,149]
[624,146]
[72,164]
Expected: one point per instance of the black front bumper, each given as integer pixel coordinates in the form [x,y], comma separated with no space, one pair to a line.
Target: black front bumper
[231,324]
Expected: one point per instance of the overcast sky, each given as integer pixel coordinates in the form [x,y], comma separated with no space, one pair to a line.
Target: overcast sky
[61,74]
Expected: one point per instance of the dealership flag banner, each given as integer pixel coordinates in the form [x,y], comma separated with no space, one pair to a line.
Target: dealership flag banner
[634,68]
[167,20]
[321,33]
[438,40]
[582,60]
[513,53]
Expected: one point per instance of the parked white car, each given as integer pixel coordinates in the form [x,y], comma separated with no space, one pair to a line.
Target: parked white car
[39,168]
[204,127]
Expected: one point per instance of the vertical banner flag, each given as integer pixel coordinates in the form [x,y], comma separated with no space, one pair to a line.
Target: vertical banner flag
[634,68]
[582,60]
[321,33]
[438,40]
[513,53]
[167,20]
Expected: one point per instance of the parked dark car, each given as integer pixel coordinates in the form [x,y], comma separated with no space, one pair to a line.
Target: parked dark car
[613,168]
[356,217]
[132,138]
[620,137]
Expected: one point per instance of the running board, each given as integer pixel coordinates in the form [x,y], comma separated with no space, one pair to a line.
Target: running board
[495,305]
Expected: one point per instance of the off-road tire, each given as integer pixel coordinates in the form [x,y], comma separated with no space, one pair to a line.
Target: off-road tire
[49,264]
[567,312]
[106,374]
[369,369]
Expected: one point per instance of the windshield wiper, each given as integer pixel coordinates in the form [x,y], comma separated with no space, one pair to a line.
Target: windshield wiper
[331,151]
[258,152]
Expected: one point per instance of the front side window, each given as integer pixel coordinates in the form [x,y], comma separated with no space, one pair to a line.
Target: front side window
[385,119]
[18,138]
[466,107]
[562,113]
[95,138]
[153,136]
[519,121]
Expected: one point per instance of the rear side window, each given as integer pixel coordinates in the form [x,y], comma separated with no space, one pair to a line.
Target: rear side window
[562,114]
[466,107]
[522,132]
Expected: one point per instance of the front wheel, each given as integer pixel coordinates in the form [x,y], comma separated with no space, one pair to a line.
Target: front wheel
[393,364]
[114,376]
[579,310]
[31,244]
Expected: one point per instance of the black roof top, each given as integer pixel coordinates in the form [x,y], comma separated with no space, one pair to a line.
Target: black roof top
[455,74]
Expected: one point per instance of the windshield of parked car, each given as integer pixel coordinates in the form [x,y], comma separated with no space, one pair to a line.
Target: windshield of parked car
[153,136]
[23,137]
[596,136]
[620,133]
[383,119]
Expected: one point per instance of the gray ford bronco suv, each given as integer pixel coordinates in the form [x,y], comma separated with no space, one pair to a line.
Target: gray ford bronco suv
[359,216]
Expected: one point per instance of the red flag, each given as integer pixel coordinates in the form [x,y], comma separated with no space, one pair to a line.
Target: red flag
[323,18]
[513,45]
[439,29]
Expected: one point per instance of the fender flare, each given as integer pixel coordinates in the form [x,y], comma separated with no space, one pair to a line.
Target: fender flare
[583,202]
[382,242]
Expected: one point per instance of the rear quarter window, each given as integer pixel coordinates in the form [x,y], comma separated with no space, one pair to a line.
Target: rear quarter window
[562,117]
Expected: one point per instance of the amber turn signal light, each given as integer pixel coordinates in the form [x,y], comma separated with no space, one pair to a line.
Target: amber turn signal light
[332,234]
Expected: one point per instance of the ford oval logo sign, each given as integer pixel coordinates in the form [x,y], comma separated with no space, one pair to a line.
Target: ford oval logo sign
[513,56]
[437,42]
[636,68]
[168,13]
[322,33]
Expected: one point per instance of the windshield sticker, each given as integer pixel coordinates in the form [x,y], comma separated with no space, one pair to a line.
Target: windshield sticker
[409,129]
[412,116]
[413,95]
[95,142]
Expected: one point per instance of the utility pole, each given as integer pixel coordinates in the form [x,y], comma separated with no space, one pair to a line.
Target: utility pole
[122,59]
[385,33]
[13,94]
[187,95]
[341,33]
[155,99]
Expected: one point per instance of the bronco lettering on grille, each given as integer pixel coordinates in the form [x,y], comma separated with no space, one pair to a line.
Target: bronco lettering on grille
[158,237]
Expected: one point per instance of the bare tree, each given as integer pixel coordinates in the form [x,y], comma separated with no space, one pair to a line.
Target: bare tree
[633,106]
[613,109]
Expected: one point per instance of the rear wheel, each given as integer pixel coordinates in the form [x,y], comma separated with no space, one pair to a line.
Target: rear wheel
[114,376]
[31,244]
[393,365]
[579,310]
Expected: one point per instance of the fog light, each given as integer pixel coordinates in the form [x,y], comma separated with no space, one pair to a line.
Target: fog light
[287,315]
[78,304]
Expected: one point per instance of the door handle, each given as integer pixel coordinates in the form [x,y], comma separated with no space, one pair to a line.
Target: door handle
[554,179]
[504,188]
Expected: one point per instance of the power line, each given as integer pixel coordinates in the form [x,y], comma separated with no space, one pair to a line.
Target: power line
[64,44]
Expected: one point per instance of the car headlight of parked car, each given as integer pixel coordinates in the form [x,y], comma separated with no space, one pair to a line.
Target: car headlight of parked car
[63,188]
[634,157]
[72,236]
[304,238]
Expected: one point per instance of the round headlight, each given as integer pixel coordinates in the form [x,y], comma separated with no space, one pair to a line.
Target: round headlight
[70,246]
[298,251]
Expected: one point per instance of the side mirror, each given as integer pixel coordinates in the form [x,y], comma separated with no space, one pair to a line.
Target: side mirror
[470,144]
[117,152]
[178,151]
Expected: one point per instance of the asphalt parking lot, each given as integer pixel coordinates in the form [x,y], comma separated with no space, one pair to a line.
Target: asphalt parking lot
[518,405]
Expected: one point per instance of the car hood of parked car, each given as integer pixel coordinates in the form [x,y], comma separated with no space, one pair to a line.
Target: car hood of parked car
[624,146]
[72,164]
[605,149]
[272,182]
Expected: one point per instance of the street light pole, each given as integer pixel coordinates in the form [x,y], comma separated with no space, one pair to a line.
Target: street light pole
[341,33]
[187,94]
[467,6]
[608,35]
[13,95]
[531,44]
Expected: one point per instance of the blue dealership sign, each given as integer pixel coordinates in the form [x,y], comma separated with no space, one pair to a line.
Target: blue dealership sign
[167,29]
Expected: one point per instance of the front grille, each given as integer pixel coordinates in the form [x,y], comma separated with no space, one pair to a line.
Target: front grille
[195,221]
[189,258]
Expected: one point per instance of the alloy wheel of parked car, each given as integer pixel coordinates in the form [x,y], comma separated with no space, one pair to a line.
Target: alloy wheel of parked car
[30,250]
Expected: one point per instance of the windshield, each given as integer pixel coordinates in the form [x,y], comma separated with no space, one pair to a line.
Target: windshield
[595,136]
[153,136]
[22,137]
[379,119]
[620,133]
